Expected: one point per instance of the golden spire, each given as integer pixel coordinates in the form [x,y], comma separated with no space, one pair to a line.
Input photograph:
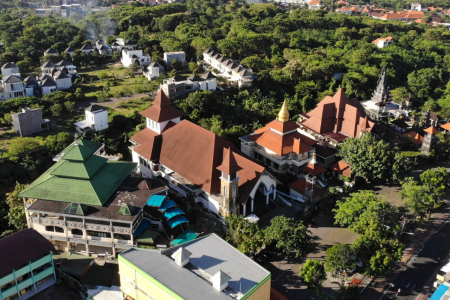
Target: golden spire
[283,115]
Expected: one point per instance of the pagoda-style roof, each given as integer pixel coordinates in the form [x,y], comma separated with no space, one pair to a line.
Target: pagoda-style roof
[80,177]
[229,164]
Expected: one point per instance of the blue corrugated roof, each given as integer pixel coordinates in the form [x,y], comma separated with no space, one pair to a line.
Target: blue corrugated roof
[442,289]
[173,212]
[177,221]
[168,203]
[156,200]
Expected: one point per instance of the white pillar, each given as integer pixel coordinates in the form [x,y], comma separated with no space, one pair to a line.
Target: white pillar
[253,202]
[245,208]
[267,199]
[274,194]
[87,249]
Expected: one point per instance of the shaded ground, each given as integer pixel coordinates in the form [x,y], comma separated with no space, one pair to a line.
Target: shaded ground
[57,292]
[106,275]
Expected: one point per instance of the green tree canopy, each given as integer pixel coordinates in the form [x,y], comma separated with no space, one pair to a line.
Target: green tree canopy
[313,275]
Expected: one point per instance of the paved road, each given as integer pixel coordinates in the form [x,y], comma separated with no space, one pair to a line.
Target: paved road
[416,279]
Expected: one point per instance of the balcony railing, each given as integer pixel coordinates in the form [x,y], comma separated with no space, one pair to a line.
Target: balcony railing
[80,225]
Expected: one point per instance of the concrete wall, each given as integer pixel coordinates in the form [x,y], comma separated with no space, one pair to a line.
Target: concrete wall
[63,84]
[6,72]
[169,56]
[99,118]
[262,293]
[48,89]
[28,122]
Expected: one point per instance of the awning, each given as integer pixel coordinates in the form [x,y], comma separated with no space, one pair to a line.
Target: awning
[168,203]
[185,237]
[156,200]
[173,212]
[148,237]
[177,221]
[442,289]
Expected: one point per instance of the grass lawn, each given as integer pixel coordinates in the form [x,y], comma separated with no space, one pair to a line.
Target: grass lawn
[6,138]
[410,153]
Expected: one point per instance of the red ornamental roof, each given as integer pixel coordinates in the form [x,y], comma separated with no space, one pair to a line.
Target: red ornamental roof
[161,109]
[431,130]
[229,164]
[342,168]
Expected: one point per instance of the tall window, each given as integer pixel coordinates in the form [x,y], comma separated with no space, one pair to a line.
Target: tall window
[234,191]
[224,191]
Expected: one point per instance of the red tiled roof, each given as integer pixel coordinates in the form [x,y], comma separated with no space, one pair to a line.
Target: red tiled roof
[144,135]
[229,164]
[300,187]
[420,21]
[150,144]
[195,153]
[314,2]
[446,126]
[339,114]
[161,109]
[431,130]
[313,169]
[342,168]
[278,143]
[415,137]
[279,126]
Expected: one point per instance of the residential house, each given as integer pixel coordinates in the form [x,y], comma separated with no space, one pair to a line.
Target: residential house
[383,42]
[393,16]
[88,204]
[48,68]
[96,119]
[87,49]
[199,163]
[203,269]
[256,1]
[228,68]
[179,86]
[63,80]
[70,50]
[10,68]
[48,85]
[120,44]
[413,15]
[11,87]
[31,86]
[314,5]
[169,56]
[67,67]
[153,71]
[335,119]
[279,145]
[130,57]
[103,48]
[343,2]
[51,51]
[26,266]
[345,10]
[416,6]
[300,2]
[27,122]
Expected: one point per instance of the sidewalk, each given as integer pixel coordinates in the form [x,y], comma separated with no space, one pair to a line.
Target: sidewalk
[413,247]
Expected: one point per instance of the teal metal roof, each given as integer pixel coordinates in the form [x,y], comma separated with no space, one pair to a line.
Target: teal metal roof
[91,183]
[177,221]
[156,200]
[168,203]
[173,212]
[440,292]
[185,237]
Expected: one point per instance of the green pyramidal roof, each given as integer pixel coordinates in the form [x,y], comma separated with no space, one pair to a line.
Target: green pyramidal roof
[88,180]
[80,150]
[125,210]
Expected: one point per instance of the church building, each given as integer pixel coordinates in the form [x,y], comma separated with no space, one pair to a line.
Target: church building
[198,163]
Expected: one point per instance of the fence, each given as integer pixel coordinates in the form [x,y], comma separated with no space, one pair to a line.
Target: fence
[71,282]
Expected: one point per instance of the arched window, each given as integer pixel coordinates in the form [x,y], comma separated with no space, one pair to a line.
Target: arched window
[77,231]
[59,229]
[49,228]
[225,191]
[234,191]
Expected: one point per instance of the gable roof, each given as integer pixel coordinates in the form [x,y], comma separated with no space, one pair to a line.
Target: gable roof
[209,75]
[48,64]
[229,164]
[64,63]
[95,107]
[9,65]
[61,75]
[342,168]
[48,81]
[86,47]
[314,2]
[70,49]
[300,187]
[12,79]
[313,168]
[431,130]
[161,109]
[30,80]
[50,51]
[80,177]
[18,249]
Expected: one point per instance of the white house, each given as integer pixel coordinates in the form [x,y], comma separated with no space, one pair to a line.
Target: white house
[48,67]
[383,42]
[70,50]
[293,1]
[314,5]
[70,68]
[344,10]
[153,71]
[31,85]
[62,80]
[9,69]
[12,87]
[51,51]
[130,57]
[48,85]
[228,68]
[178,55]
[120,44]
[96,119]
[102,48]
[416,6]
[179,86]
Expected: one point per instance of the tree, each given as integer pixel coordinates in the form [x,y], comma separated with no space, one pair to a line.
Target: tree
[103,75]
[434,183]
[117,55]
[70,106]
[340,259]
[372,159]
[16,214]
[20,146]
[313,275]
[79,93]
[289,235]
[176,64]
[56,109]
[56,143]
[415,197]
[243,235]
